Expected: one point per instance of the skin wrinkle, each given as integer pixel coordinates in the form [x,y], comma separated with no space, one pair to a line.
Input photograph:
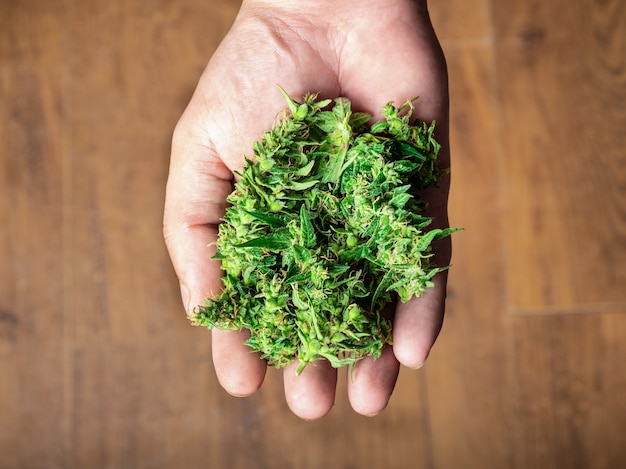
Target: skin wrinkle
[333,41]
[331,59]
[336,36]
[304,40]
[209,200]
[211,150]
[296,28]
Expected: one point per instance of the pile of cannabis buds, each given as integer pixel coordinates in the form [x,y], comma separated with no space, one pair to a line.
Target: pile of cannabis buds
[324,230]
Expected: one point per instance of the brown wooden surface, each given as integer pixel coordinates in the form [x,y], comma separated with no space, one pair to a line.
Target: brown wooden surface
[98,365]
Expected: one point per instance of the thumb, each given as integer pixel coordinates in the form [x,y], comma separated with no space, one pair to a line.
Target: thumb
[195,201]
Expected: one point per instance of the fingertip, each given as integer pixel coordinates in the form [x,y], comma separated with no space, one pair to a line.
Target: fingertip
[239,370]
[412,345]
[371,383]
[417,324]
[310,395]
[411,357]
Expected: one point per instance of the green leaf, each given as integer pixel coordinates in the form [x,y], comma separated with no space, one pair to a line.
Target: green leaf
[292,103]
[302,186]
[406,166]
[301,277]
[301,254]
[272,243]
[301,112]
[400,200]
[381,287]
[342,109]
[297,301]
[358,119]
[334,165]
[424,242]
[409,150]
[305,170]
[380,127]
[321,104]
[307,232]
[360,252]
[274,221]
[337,269]
[327,122]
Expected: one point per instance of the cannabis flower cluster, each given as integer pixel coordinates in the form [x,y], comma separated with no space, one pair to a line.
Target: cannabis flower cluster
[324,229]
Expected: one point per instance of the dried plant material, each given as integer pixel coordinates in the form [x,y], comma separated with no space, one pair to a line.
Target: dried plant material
[324,230]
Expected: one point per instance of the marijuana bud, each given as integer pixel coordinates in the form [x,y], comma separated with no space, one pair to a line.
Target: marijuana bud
[324,229]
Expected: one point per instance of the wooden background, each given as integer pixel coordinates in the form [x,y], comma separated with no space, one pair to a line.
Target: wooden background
[98,365]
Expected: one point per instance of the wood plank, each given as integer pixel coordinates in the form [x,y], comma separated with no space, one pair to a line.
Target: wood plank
[133,99]
[469,374]
[160,405]
[32,307]
[32,328]
[571,378]
[562,75]
[141,406]
[32,33]
[462,22]
[99,367]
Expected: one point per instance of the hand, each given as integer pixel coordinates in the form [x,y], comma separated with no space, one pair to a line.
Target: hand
[384,52]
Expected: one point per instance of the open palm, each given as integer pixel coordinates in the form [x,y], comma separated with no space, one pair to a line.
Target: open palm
[384,52]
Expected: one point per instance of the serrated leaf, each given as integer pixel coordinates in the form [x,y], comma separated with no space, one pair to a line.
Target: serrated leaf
[301,112]
[326,121]
[406,166]
[337,269]
[409,150]
[272,243]
[360,252]
[358,119]
[334,166]
[426,240]
[274,221]
[301,277]
[307,232]
[400,200]
[341,109]
[300,254]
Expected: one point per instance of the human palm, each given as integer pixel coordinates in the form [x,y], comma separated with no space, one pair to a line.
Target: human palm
[387,52]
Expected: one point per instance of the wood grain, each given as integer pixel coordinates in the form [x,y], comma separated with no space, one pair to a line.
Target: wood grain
[571,380]
[470,403]
[99,367]
[32,315]
[562,75]
[462,23]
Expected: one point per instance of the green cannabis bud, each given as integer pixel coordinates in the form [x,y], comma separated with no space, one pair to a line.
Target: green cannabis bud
[324,229]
